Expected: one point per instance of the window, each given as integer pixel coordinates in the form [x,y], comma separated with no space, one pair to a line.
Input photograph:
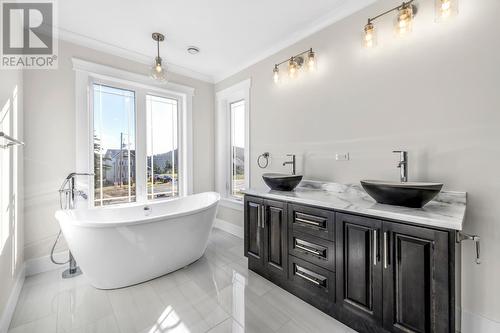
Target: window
[162,147]
[237,114]
[232,143]
[133,133]
[114,145]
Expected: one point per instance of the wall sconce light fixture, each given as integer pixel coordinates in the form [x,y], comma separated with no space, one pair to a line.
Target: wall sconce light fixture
[295,64]
[404,19]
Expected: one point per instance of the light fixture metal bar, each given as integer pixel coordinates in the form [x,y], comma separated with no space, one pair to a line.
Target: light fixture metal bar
[404,4]
[295,56]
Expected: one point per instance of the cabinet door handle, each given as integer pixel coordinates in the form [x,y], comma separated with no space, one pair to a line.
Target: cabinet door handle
[386,259]
[263,216]
[375,247]
[259,215]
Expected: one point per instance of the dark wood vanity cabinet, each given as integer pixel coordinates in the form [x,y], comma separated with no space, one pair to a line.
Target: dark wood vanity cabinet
[358,269]
[266,244]
[416,279]
[392,275]
[373,275]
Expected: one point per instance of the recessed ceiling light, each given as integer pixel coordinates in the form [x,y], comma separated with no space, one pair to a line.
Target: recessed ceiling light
[193,50]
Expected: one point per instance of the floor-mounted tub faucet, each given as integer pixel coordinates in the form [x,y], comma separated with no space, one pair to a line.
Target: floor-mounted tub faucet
[67,194]
[403,165]
[292,162]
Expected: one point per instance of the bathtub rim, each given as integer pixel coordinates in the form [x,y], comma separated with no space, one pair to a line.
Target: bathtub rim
[62,216]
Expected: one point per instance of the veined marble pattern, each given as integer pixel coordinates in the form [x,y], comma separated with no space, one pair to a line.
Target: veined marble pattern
[215,294]
[447,210]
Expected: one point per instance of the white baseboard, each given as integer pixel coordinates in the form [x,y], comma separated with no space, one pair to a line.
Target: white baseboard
[229,227]
[44,264]
[473,323]
[10,307]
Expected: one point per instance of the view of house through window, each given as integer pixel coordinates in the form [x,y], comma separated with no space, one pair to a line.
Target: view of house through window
[237,114]
[114,145]
[162,147]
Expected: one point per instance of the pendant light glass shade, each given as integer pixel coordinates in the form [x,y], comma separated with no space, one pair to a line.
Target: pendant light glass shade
[369,36]
[158,70]
[404,21]
[445,9]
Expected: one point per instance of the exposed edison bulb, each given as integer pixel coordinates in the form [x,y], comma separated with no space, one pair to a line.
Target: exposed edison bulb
[292,68]
[369,36]
[157,71]
[311,60]
[446,9]
[276,74]
[404,21]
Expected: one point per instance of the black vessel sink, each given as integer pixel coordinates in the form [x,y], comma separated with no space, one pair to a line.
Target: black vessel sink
[281,181]
[414,195]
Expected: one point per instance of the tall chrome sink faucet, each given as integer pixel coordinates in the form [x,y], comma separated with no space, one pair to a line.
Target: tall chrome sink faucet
[292,162]
[403,165]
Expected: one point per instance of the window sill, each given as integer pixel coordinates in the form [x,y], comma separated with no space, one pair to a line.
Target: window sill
[231,203]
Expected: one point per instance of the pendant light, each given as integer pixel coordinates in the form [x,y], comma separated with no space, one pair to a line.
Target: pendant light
[158,69]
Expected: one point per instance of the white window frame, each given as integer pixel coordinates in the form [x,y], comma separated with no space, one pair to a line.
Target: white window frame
[224,99]
[88,73]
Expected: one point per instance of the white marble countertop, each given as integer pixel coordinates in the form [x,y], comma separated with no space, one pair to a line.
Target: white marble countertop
[447,210]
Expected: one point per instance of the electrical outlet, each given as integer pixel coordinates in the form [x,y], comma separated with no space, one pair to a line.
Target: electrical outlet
[342,157]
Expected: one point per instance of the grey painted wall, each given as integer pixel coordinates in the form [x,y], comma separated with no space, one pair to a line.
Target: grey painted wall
[434,94]
[50,138]
[11,184]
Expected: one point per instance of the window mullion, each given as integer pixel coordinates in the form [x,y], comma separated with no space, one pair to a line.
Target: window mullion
[141,146]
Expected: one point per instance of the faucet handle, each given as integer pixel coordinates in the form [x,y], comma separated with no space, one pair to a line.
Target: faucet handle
[399,151]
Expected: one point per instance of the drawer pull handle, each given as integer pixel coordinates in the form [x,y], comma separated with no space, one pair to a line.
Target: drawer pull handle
[314,223]
[303,273]
[305,277]
[299,244]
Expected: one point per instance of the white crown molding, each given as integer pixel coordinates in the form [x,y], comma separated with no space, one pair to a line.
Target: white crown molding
[347,8]
[127,54]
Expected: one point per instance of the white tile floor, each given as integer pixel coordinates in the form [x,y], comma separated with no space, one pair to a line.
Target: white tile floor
[215,294]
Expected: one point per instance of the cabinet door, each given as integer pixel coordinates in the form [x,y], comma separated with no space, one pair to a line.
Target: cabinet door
[275,238]
[253,240]
[358,269]
[416,279]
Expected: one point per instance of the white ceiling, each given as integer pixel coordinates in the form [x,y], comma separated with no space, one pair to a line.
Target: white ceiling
[231,34]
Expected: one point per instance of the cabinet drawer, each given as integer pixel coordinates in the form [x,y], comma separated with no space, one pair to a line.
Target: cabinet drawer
[313,249]
[313,221]
[312,283]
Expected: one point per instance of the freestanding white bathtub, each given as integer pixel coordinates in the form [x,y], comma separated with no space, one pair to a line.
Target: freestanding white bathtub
[120,246]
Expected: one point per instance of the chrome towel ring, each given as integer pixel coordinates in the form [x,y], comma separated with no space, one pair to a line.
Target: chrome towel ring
[264,156]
